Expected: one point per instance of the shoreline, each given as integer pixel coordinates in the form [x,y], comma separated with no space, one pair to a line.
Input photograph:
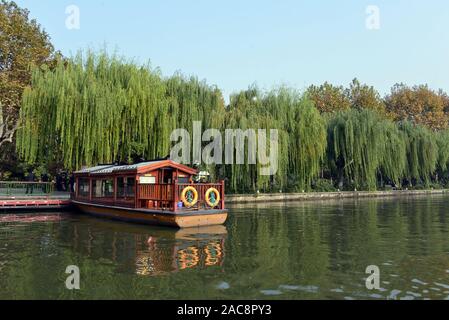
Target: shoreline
[261,198]
[309,196]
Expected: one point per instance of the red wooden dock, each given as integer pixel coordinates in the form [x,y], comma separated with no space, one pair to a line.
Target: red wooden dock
[37,203]
[33,196]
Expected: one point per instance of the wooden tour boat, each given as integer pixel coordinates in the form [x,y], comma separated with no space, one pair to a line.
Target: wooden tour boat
[156,192]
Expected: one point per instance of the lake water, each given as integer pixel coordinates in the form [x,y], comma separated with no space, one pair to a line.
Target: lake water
[313,250]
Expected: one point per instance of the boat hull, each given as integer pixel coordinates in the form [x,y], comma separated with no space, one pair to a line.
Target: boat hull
[155,217]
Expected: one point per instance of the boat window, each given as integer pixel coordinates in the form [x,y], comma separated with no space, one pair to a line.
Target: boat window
[96,188]
[183,180]
[107,188]
[83,187]
[120,187]
[167,175]
[125,187]
[103,188]
[130,186]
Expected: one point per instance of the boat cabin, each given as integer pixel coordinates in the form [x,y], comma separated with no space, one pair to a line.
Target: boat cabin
[156,185]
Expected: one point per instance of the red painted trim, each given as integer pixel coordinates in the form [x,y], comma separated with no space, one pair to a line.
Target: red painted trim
[222,194]
[167,163]
[136,193]
[90,189]
[175,196]
[33,203]
[144,169]
[115,187]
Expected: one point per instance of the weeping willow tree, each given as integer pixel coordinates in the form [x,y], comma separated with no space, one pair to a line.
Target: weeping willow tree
[306,137]
[191,101]
[301,136]
[244,114]
[367,150]
[394,159]
[98,108]
[356,147]
[442,139]
[422,152]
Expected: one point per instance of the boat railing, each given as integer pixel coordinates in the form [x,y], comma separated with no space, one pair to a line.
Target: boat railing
[28,189]
[158,196]
[168,196]
[201,189]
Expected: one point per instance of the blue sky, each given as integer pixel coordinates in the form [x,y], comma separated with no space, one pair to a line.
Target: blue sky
[234,44]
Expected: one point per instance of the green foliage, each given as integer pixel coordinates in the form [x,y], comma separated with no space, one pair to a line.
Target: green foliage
[22,43]
[394,157]
[100,109]
[302,137]
[357,143]
[363,145]
[97,108]
[422,152]
[323,185]
[443,150]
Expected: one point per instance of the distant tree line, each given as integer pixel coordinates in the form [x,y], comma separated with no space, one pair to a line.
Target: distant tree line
[417,104]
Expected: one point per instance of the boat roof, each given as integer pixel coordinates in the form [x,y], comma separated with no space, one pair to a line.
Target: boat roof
[134,168]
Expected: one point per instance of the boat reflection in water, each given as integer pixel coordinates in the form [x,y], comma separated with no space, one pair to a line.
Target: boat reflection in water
[192,248]
[147,250]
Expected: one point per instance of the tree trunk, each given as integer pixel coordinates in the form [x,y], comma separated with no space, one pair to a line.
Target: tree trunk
[6,131]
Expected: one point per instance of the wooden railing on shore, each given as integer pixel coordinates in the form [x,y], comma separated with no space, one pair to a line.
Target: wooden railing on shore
[168,196]
[19,188]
